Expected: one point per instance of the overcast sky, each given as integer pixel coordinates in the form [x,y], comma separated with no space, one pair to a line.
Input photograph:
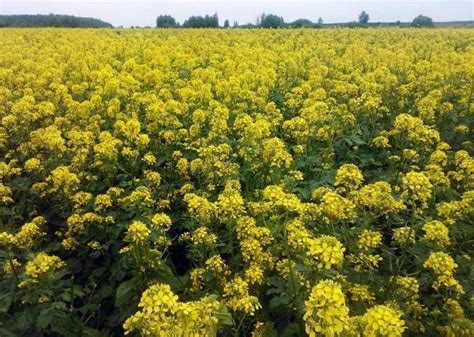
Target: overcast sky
[143,12]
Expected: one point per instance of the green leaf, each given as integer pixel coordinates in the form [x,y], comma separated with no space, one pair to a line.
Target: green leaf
[280,300]
[224,316]
[125,291]
[4,332]
[5,301]
[44,318]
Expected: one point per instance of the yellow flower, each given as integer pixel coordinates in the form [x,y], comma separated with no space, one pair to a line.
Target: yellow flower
[327,251]
[9,267]
[378,198]
[414,130]
[381,142]
[382,320]
[369,239]
[230,203]
[238,297]
[5,194]
[162,314]
[365,261]
[407,287]
[333,206]
[417,188]
[29,232]
[462,129]
[102,202]
[161,221]
[154,178]
[439,157]
[33,165]
[276,197]
[63,179]
[441,263]
[199,207]
[348,177]
[404,235]
[42,267]
[361,293]
[436,232]
[326,311]
[217,265]
[138,233]
[202,236]
[149,159]
[275,154]
[139,198]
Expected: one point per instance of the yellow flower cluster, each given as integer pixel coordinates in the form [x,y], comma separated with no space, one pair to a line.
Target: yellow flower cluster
[378,198]
[348,177]
[248,169]
[383,320]
[417,188]
[436,232]
[407,287]
[443,266]
[254,242]
[404,235]
[230,203]
[332,206]
[138,233]
[201,236]
[415,130]
[200,207]
[361,293]
[26,236]
[326,311]
[238,297]
[41,268]
[161,314]
[327,251]
[369,239]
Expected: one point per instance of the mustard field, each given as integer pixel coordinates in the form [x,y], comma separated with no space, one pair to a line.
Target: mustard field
[236,182]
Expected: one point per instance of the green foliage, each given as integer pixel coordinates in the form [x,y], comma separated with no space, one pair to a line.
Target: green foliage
[363,18]
[301,23]
[202,22]
[271,21]
[422,21]
[165,21]
[51,20]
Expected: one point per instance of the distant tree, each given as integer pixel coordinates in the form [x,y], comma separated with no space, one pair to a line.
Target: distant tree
[165,21]
[51,20]
[214,21]
[363,18]
[248,25]
[422,21]
[235,24]
[320,22]
[352,24]
[271,21]
[195,22]
[301,23]
[202,22]
[226,24]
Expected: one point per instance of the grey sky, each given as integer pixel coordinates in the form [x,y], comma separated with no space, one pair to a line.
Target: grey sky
[144,12]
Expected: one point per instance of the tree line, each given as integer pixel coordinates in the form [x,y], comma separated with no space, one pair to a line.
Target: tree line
[51,20]
[275,21]
[207,21]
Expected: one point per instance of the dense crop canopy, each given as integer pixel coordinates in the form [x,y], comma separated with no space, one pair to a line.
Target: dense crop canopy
[237,182]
